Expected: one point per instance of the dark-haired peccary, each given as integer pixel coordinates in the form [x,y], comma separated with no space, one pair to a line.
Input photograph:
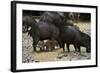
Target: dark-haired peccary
[72,35]
[43,31]
[27,21]
[48,27]
[50,45]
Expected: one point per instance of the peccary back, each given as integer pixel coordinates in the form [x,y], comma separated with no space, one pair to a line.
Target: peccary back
[55,18]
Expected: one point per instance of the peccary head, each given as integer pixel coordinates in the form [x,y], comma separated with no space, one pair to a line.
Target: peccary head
[27,22]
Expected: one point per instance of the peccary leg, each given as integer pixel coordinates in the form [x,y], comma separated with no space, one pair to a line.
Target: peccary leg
[76,48]
[79,49]
[63,44]
[36,39]
[60,44]
[42,46]
[68,47]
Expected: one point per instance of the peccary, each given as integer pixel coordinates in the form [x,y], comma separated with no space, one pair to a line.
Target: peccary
[47,45]
[77,17]
[27,22]
[72,35]
[43,31]
[85,41]
[48,27]
[71,18]
[50,45]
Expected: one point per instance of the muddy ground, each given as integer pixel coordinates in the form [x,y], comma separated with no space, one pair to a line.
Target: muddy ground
[56,55]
